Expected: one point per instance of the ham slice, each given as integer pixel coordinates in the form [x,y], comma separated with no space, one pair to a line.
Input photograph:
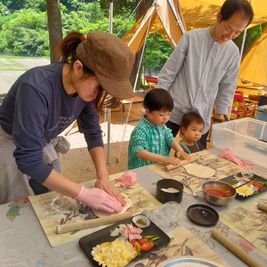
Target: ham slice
[130,232]
[128,178]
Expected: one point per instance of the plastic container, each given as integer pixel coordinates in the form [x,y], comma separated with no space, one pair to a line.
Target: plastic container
[246,137]
[261,113]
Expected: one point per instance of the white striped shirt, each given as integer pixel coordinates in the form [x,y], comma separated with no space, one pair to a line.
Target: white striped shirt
[199,73]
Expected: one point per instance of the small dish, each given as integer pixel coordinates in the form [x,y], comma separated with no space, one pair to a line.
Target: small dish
[141,221]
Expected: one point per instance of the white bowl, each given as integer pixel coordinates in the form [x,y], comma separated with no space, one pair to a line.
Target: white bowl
[141,221]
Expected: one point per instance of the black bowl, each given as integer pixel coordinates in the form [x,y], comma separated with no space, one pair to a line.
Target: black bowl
[169,190]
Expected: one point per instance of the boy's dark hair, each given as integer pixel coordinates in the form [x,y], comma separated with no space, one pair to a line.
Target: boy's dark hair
[190,117]
[230,7]
[157,99]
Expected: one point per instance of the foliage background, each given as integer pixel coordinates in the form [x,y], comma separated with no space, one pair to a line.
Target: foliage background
[24,32]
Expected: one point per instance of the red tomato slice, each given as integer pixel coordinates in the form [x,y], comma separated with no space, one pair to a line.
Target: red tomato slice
[143,241]
[147,246]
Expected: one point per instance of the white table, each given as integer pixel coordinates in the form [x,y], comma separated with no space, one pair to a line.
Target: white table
[23,242]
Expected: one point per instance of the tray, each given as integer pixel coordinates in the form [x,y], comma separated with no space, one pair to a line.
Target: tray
[255,179]
[236,178]
[88,242]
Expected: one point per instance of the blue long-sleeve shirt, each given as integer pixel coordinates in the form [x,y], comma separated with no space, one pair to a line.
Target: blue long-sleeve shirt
[36,110]
[199,73]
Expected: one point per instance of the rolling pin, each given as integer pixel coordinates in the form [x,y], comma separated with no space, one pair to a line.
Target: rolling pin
[262,205]
[64,228]
[183,162]
[235,249]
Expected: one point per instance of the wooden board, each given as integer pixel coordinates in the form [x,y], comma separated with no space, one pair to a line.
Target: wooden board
[249,222]
[222,167]
[183,243]
[53,209]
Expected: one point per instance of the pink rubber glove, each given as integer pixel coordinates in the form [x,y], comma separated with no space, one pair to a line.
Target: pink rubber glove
[98,199]
[229,155]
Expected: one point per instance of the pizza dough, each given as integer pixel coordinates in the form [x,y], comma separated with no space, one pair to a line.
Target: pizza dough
[200,171]
[127,205]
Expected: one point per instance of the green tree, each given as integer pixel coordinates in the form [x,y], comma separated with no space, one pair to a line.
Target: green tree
[157,52]
[24,33]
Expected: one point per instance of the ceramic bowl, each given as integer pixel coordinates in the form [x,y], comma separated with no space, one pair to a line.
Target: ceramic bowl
[141,221]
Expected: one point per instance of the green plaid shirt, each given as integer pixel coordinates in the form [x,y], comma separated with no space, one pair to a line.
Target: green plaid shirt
[149,137]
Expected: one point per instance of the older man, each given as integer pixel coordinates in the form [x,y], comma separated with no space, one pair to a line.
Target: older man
[202,70]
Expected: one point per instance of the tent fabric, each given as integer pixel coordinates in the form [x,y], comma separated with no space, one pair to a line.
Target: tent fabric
[159,18]
[254,65]
[193,13]
[202,13]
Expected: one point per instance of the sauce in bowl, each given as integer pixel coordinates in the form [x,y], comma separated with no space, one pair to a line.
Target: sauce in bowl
[218,192]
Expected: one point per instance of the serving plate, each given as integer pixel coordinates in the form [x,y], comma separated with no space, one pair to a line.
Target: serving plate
[87,243]
[189,262]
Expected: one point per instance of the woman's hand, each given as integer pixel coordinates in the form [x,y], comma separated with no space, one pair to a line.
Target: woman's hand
[104,184]
[98,199]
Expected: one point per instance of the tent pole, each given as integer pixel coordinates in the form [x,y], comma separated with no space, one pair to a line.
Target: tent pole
[243,43]
[135,84]
[177,17]
[108,110]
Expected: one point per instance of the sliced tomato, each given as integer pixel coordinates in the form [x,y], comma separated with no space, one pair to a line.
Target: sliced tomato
[136,245]
[258,185]
[147,246]
[143,241]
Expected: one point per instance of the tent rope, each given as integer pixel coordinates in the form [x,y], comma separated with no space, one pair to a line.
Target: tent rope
[135,84]
[124,25]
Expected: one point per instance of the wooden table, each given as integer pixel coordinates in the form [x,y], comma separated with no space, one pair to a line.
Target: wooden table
[23,242]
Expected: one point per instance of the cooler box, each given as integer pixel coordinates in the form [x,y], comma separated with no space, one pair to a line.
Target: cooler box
[246,137]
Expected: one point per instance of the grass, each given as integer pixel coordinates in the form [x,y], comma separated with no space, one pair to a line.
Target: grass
[11,63]
[20,57]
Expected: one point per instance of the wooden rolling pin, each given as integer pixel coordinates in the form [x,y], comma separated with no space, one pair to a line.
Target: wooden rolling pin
[235,249]
[64,228]
[183,162]
[262,205]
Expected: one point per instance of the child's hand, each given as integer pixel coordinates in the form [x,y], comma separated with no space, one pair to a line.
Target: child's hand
[171,160]
[184,155]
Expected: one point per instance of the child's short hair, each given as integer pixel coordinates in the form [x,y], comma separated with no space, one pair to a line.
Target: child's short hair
[157,99]
[190,117]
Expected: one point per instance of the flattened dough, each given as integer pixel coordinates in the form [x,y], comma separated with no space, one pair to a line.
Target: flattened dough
[100,214]
[200,171]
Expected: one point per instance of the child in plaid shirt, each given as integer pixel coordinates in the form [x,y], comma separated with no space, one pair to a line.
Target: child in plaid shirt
[151,140]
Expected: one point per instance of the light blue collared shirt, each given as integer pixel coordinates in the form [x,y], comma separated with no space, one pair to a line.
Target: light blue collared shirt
[199,73]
